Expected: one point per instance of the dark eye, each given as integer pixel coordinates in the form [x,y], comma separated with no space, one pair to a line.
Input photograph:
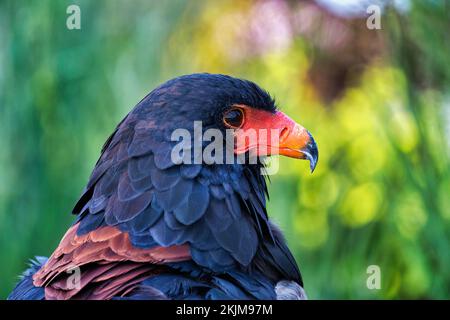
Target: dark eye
[234,118]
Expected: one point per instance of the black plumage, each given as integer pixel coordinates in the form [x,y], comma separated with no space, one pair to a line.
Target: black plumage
[218,209]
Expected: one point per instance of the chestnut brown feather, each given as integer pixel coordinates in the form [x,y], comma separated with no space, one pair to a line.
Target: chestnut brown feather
[98,254]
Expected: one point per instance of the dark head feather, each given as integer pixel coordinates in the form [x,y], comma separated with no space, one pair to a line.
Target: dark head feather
[218,209]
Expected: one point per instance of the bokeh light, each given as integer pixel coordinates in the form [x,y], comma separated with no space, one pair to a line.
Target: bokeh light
[376,101]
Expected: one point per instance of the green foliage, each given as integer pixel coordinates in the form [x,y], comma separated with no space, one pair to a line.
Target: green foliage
[380,193]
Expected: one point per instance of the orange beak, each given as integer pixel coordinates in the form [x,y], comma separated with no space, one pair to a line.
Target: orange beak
[264,133]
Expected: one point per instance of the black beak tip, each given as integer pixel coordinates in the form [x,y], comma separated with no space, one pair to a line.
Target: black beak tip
[311,152]
[312,165]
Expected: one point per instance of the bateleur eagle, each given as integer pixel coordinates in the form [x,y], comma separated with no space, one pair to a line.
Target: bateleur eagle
[148,227]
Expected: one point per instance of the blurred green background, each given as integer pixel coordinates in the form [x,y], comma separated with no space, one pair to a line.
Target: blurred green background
[377,102]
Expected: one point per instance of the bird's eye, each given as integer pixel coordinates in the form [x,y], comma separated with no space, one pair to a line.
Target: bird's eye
[234,118]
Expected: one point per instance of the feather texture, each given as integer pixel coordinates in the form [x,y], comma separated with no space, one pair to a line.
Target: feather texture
[145,225]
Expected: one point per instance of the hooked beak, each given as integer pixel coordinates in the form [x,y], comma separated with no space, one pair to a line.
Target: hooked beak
[293,140]
[300,144]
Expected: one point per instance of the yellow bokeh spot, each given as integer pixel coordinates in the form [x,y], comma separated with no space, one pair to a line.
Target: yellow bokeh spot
[353,120]
[319,192]
[404,128]
[410,216]
[311,228]
[361,204]
[367,155]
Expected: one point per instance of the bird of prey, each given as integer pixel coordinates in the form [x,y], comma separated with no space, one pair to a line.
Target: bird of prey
[149,227]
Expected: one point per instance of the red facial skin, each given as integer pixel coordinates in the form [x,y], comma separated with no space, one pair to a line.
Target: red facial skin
[265,133]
